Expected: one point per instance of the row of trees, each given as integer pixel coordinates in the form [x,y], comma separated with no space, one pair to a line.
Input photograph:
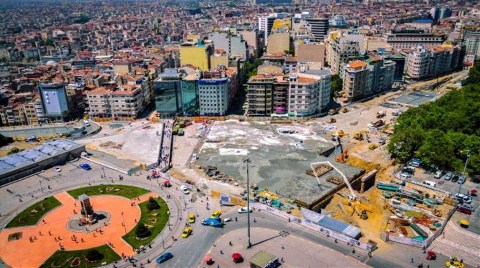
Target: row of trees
[443,132]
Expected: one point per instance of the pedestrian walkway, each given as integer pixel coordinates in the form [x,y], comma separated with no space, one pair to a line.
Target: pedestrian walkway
[458,242]
[293,250]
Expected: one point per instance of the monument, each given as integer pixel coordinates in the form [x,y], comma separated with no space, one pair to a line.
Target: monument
[87,209]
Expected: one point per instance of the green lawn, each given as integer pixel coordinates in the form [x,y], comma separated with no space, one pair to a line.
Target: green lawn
[148,218]
[32,214]
[65,258]
[121,190]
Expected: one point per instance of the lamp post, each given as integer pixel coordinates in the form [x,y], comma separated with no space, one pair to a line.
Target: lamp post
[464,170]
[249,244]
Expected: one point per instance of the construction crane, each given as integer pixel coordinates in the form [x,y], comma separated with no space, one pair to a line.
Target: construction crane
[353,196]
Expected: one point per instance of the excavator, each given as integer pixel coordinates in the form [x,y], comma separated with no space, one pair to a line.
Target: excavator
[343,153]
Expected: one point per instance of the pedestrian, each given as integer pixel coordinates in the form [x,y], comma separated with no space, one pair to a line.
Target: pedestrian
[282,260]
[411,260]
[236,219]
[49,233]
[221,252]
[81,239]
[230,243]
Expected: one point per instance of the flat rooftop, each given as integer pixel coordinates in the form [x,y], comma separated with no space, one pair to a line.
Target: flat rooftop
[278,160]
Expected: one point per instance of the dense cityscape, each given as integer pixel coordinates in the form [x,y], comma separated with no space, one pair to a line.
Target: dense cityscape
[257,133]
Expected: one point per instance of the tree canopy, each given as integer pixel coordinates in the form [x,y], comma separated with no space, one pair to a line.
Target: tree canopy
[443,132]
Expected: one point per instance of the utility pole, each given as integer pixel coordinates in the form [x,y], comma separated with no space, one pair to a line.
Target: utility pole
[464,170]
[247,161]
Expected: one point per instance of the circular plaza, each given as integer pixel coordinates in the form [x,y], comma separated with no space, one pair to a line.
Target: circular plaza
[83,227]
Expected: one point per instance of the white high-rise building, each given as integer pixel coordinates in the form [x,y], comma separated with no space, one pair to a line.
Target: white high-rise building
[214,96]
[265,24]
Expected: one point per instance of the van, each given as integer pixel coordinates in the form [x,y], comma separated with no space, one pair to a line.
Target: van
[430,183]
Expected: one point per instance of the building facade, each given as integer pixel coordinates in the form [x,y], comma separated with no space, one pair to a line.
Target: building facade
[308,94]
[425,62]
[214,96]
[407,40]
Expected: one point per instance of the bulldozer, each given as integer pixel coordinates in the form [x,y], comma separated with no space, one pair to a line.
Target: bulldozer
[372,146]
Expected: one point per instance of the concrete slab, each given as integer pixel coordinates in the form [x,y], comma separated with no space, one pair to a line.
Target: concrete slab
[279,160]
[416,98]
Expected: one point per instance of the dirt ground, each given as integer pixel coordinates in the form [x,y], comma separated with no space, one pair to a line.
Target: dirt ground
[345,210]
[22,145]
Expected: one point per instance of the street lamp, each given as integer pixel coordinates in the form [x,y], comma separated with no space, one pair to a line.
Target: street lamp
[249,245]
[464,170]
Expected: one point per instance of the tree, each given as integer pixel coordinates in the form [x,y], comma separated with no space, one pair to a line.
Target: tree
[4,140]
[142,231]
[94,255]
[473,74]
[152,204]
[336,86]
[14,150]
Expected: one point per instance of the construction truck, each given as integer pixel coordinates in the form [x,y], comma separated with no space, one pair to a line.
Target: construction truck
[372,146]
[360,135]
[381,114]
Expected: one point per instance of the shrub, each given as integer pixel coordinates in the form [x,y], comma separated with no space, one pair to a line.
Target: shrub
[94,255]
[142,231]
[152,204]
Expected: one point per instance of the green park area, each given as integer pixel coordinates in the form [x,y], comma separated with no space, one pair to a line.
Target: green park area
[154,218]
[34,213]
[120,190]
[93,257]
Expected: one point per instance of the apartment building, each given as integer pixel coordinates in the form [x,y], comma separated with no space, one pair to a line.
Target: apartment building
[196,54]
[425,62]
[278,42]
[343,50]
[407,40]
[309,92]
[260,95]
[471,40]
[234,45]
[356,80]
[123,103]
[382,74]
[265,24]
[319,28]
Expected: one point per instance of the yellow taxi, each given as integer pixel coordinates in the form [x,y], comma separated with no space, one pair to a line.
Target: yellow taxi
[191,218]
[186,232]
[216,213]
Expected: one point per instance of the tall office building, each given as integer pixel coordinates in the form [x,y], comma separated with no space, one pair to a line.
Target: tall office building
[319,27]
[214,95]
[54,101]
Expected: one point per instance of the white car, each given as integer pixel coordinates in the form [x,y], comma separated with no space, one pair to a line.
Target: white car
[244,210]
[57,169]
[184,189]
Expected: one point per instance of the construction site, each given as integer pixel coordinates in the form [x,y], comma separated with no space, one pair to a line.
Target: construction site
[319,165]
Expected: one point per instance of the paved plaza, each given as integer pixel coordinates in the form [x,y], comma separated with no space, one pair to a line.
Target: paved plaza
[293,250]
[51,232]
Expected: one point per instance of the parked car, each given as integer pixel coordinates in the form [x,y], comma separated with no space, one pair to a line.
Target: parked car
[448,176]
[85,166]
[237,258]
[461,180]
[455,178]
[415,162]
[405,175]
[164,257]
[465,210]
[57,169]
[438,174]
[244,210]
[184,189]
[408,169]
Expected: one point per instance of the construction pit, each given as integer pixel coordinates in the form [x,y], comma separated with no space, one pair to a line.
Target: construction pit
[280,156]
